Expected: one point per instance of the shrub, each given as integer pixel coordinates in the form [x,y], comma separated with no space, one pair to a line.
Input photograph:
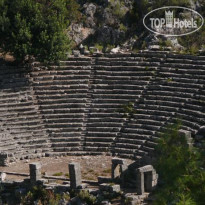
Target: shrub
[86,197]
[109,47]
[43,197]
[98,46]
[180,170]
[128,109]
[118,8]
[122,27]
[74,14]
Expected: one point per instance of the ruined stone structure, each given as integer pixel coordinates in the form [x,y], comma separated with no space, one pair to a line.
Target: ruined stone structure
[146,179]
[76,108]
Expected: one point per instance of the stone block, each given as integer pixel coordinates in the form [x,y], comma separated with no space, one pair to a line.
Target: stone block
[118,167]
[75,175]
[102,179]
[110,188]
[35,172]
[4,159]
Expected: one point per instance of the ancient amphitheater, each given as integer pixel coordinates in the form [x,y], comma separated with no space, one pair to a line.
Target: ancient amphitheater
[76,108]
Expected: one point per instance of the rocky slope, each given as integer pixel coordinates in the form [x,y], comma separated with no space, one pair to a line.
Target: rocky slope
[109,23]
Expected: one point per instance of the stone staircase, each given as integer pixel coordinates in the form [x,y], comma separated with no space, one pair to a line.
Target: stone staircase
[76,108]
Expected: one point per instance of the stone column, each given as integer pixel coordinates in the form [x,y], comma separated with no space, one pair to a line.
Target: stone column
[75,175]
[35,172]
[140,182]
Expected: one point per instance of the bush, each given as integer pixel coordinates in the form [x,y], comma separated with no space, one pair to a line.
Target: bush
[118,8]
[193,43]
[86,197]
[35,28]
[74,14]
[43,197]
[180,170]
[122,27]
[99,47]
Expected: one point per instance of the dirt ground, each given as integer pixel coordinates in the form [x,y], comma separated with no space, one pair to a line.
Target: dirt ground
[91,166]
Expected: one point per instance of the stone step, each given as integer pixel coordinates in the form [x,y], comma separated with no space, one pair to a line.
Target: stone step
[64,139]
[72,153]
[64,125]
[101,138]
[69,92]
[66,149]
[65,87]
[50,74]
[96,149]
[124,141]
[57,78]
[61,111]
[55,145]
[64,96]
[62,105]
[62,101]
[127,146]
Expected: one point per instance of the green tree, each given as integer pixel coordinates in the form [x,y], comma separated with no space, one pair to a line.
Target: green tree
[74,14]
[180,170]
[35,28]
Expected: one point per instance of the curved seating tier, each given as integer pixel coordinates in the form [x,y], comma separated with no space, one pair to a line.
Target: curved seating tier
[23,134]
[78,107]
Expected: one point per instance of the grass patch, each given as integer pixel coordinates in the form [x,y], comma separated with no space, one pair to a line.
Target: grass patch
[58,174]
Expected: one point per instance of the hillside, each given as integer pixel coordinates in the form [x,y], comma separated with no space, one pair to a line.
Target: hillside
[107,24]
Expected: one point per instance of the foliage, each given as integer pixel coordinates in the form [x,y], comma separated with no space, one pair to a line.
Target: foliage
[117,7]
[166,43]
[74,14]
[109,47]
[98,46]
[193,42]
[86,197]
[180,170]
[36,28]
[43,197]
[128,109]
[160,3]
[67,175]
[140,9]
[122,27]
